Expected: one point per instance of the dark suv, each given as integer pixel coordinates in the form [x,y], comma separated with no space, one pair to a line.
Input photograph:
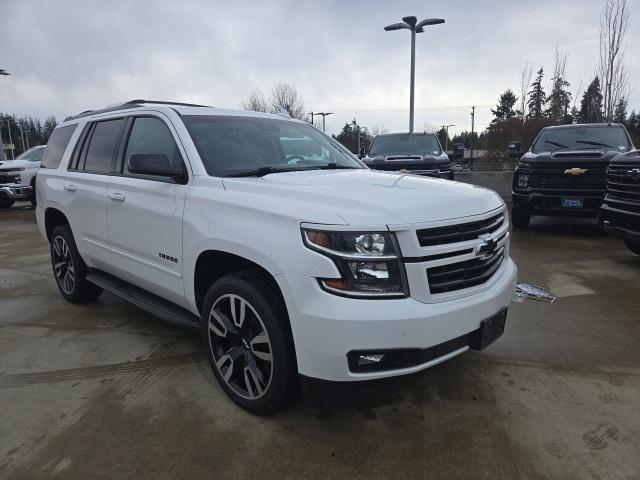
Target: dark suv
[620,211]
[564,171]
[415,153]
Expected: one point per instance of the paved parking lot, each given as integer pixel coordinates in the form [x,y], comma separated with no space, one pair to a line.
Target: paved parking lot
[106,391]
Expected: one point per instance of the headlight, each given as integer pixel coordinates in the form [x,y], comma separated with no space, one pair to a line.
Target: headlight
[523,181]
[369,262]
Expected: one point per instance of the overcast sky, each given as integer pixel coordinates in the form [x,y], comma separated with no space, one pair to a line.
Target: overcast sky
[67,56]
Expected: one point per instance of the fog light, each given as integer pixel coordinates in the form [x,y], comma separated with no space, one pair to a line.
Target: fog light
[523,181]
[370,359]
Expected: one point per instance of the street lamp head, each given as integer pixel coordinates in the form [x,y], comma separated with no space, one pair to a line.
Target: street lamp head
[429,21]
[396,26]
[411,21]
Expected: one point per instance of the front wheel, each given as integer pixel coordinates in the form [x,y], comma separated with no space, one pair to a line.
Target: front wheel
[246,336]
[633,245]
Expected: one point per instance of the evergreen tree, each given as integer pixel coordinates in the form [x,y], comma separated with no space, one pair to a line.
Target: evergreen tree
[559,100]
[591,104]
[349,137]
[537,97]
[504,108]
[620,112]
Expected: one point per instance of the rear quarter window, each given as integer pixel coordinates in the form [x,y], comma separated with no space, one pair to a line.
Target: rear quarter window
[56,146]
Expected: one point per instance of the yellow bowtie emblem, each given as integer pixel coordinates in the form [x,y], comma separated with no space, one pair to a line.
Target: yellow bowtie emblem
[575,171]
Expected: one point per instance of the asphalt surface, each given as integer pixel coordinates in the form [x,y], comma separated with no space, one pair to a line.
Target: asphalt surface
[105,390]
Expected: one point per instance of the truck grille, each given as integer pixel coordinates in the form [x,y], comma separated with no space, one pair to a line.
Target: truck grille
[623,181]
[461,232]
[469,273]
[9,177]
[552,176]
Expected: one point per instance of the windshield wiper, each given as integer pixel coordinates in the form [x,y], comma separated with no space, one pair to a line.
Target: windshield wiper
[556,144]
[597,144]
[334,166]
[262,171]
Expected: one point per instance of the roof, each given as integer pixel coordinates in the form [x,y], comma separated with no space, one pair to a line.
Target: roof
[403,134]
[180,108]
[583,125]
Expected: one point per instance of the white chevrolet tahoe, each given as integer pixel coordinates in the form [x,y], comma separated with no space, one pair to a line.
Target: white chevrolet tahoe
[289,261]
[18,177]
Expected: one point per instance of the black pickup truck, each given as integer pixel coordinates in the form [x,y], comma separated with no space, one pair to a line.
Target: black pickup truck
[415,153]
[564,172]
[620,210]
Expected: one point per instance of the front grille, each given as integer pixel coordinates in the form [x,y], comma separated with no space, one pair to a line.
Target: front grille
[460,232]
[469,273]
[9,178]
[552,176]
[623,181]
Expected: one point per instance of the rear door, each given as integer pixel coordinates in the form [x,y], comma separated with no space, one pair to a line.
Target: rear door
[144,211]
[85,188]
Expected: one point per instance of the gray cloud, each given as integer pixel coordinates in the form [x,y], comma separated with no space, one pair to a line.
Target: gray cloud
[67,56]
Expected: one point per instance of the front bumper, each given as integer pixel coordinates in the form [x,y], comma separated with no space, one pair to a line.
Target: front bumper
[326,328]
[15,191]
[536,203]
[625,223]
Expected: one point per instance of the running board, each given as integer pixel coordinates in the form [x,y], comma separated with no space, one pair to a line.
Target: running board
[153,304]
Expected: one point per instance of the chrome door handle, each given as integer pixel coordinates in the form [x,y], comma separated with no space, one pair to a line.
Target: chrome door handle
[70,187]
[118,197]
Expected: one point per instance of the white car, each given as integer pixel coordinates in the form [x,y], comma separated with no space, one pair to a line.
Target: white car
[320,268]
[18,177]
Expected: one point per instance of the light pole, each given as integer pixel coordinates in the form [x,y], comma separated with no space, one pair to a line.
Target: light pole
[2,157]
[446,137]
[411,23]
[324,114]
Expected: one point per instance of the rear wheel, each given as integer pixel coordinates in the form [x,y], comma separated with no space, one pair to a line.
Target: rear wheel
[69,269]
[520,218]
[245,332]
[633,245]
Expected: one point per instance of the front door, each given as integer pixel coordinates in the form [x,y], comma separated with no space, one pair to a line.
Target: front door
[144,211]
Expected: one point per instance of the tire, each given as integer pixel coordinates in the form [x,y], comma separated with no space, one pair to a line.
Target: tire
[6,203]
[69,269]
[251,354]
[32,199]
[633,245]
[520,218]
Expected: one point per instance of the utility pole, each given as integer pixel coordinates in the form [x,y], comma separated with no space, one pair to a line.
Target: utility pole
[473,117]
[324,114]
[446,138]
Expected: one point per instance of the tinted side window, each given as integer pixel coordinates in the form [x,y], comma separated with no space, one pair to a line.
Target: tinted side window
[56,146]
[150,135]
[102,146]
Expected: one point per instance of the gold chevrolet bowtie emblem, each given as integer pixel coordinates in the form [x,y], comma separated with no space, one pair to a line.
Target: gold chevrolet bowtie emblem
[575,171]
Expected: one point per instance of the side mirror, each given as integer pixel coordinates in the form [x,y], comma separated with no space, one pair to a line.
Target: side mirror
[515,149]
[151,164]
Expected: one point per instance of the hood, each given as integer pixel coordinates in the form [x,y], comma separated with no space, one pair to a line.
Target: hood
[569,156]
[364,197]
[11,164]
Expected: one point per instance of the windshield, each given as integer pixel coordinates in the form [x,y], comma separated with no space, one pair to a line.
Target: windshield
[33,155]
[231,145]
[582,138]
[417,144]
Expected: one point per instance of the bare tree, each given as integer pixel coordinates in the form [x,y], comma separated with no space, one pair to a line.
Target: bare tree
[256,102]
[378,130]
[559,99]
[525,81]
[614,22]
[286,97]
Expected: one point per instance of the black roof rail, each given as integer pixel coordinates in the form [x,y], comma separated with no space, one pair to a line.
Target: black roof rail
[127,105]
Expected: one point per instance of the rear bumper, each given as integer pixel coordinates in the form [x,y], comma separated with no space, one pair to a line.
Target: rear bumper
[16,192]
[536,203]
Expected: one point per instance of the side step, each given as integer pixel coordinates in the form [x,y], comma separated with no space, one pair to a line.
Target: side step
[153,304]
